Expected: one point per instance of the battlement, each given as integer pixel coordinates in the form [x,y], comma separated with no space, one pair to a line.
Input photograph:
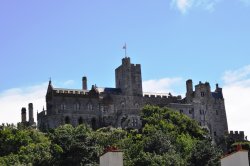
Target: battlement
[76,92]
[160,96]
[136,65]
[237,135]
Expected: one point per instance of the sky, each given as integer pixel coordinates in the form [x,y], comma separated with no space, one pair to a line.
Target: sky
[173,40]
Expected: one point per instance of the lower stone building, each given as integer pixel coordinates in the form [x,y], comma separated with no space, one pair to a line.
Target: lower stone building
[120,106]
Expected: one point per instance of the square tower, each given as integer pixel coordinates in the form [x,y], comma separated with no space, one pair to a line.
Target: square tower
[128,78]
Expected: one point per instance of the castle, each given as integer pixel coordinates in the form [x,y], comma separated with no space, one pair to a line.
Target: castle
[120,106]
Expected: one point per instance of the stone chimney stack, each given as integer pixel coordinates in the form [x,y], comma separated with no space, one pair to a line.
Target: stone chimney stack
[31,115]
[23,112]
[84,83]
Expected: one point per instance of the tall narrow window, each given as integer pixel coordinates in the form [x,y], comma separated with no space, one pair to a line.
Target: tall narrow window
[134,122]
[80,121]
[90,107]
[202,94]
[67,120]
[63,106]
[76,106]
[217,112]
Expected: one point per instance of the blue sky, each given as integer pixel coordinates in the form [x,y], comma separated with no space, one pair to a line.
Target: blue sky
[173,40]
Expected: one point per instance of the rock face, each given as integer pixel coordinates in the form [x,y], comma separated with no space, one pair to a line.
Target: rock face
[120,106]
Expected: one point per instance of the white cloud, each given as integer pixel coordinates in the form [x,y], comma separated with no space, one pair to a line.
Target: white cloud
[185,5]
[237,98]
[12,100]
[164,85]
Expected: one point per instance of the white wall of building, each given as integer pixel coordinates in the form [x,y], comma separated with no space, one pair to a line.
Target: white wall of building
[112,159]
[239,158]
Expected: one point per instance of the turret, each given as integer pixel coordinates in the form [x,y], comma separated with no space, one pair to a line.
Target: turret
[84,83]
[23,113]
[31,116]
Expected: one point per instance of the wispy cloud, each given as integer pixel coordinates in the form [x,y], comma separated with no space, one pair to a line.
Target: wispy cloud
[237,97]
[164,85]
[246,2]
[12,100]
[185,5]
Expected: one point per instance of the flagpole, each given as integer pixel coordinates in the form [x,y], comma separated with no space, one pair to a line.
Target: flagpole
[125,50]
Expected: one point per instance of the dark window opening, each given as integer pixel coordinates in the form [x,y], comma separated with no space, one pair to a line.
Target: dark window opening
[217,112]
[215,134]
[181,111]
[202,94]
[67,120]
[80,121]
[93,123]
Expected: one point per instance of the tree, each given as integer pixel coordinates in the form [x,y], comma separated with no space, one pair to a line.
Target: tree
[79,148]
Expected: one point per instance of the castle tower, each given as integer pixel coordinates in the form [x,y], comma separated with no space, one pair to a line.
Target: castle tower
[23,113]
[128,78]
[84,83]
[31,115]
[189,94]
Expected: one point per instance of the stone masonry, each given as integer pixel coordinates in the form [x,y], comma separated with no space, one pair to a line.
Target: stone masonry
[120,106]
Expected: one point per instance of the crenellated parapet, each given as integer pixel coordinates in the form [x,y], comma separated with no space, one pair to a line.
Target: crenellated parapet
[237,135]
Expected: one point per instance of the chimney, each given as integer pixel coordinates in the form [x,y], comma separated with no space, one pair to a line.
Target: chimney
[23,112]
[31,115]
[112,157]
[84,83]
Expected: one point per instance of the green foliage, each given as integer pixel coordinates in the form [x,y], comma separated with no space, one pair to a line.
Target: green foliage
[26,147]
[78,145]
[166,138]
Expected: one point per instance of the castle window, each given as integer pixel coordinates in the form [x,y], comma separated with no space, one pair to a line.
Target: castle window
[217,112]
[123,104]
[80,121]
[77,106]
[181,111]
[102,108]
[67,120]
[202,94]
[134,122]
[90,107]
[63,106]
[190,111]
[202,112]
[215,134]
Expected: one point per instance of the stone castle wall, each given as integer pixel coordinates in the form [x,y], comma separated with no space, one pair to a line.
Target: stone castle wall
[120,106]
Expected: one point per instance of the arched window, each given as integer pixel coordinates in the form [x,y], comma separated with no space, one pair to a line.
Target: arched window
[134,122]
[136,105]
[76,106]
[80,121]
[90,107]
[123,104]
[63,106]
[67,120]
